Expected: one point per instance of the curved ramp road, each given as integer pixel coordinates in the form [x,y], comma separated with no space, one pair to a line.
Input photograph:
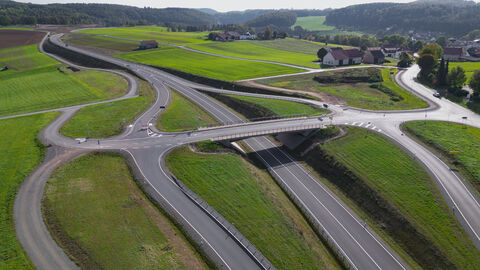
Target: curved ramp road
[358,245]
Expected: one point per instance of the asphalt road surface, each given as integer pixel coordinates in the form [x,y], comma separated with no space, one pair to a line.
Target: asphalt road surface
[357,244]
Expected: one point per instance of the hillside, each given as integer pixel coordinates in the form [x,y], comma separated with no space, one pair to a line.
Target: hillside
[14,13]
[455,18]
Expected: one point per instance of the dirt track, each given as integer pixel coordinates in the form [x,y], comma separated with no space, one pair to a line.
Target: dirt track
[13,38]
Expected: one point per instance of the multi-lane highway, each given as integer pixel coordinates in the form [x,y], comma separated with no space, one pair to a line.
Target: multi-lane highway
[359,247]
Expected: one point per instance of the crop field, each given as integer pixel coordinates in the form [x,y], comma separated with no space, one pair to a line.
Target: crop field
[104,221]
[206,65]
[313,23]
[36,82]
[249,198]
[407,186]
[447,137]
[469,67]
[159,34]
[20,154]
[182,114]
[17,37]
[250,50]
[360,94]
[282,107]
[106,120]
[118,45]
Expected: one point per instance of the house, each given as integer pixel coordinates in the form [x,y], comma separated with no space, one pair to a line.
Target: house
[453,54]
[224,37]
[148,44]
[233,35]
[248,36]
[374,56]
[393,52]
[341,57]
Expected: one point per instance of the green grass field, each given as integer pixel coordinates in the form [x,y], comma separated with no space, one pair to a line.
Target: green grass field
[104,221]
[283,107]
[359,95]
[115,44]
[106,120]
[182,114]
[313,23]
[20,154]
[206,65]
[249,198]
[447,137]
[159,34]
[251,50]
[36,82]
[469,67]
[407,186]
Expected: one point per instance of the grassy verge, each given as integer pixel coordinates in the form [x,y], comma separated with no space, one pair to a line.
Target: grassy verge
[36,82]
[20,153]
[250,199]
[182,114]
[257,108]
[118,45]
[249,50]
[103,220]
[106,120]
[446,137]
[206,65]
[436,239]
[469,67]
[386,95]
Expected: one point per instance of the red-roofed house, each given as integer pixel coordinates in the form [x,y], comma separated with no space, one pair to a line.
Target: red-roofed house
[374,56]
[453,54]
[341,57]
[148,44]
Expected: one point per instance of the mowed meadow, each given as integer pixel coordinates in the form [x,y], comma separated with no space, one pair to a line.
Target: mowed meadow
[36,82]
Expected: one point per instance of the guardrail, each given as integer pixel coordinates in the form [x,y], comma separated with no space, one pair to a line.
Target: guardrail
[267,132]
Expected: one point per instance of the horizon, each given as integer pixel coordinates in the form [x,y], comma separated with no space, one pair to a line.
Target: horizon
[223,6]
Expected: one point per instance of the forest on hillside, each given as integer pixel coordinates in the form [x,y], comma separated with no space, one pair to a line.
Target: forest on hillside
[455,18]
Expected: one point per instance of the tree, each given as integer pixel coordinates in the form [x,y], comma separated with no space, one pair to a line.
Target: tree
[456,78]
[426,62]
[442,41]
[433,49]
[268,34]
[442,73]
[405,60]
[321,53]
[475,82]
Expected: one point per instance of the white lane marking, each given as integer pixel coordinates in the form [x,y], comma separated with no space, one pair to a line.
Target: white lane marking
[180,214]
[354,123]
[361,124]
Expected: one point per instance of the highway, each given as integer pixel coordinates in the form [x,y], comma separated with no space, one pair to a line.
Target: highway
[360,247]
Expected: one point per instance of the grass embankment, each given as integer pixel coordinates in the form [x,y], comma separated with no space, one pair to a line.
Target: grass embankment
[36,82]
[371,88]
[447,137]
[182,114]
[249,198]
[257,108]
[104,221]
[255,51]
[205,65]
[313,23]
[159,34]
[20,153]
[106,120]
[469,67]
[402,182]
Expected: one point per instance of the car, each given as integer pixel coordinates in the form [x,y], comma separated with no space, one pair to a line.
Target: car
[162,107]
[325,105]
[437,95]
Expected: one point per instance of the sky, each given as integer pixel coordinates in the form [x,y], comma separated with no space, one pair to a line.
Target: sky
[227,5]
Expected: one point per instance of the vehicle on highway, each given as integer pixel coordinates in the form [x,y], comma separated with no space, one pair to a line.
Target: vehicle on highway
[325,105]
[437,95]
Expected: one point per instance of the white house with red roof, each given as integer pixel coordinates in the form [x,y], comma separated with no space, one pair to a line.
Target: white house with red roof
[341,57]
[453,54]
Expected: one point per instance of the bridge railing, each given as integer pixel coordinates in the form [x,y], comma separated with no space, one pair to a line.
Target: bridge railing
[267,132]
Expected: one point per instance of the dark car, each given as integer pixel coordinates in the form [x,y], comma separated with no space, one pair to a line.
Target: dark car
[325,105]
[437,95]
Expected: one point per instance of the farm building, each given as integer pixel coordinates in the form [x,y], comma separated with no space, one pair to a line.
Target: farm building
[453,54]
[148,44]
[374,56]
[341,57]
[393,52]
